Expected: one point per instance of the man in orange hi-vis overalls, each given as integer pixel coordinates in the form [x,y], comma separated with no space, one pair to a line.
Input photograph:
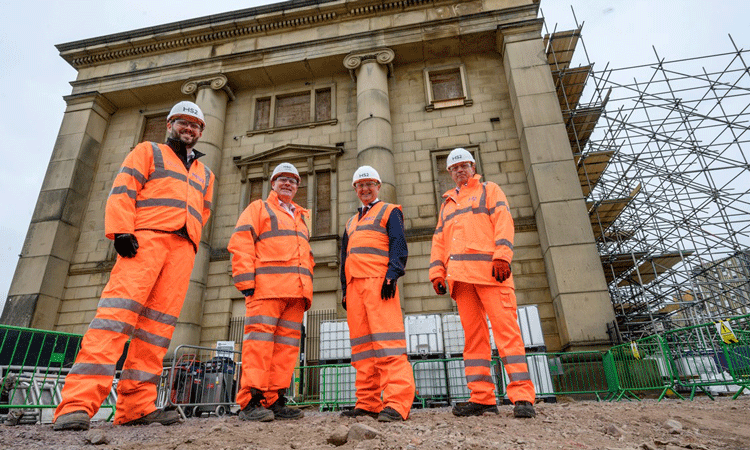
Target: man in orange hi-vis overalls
[472,249]
[373,256]
[159,203]
[272,265]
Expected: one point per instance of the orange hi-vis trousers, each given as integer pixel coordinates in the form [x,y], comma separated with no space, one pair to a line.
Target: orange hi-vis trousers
[475,303]
[142,299]
[376,330]
[270,346]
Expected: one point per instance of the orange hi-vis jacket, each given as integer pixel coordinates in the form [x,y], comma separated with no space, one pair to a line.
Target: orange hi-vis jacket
[271,252]
[367,250]
[474,227]
[154,191]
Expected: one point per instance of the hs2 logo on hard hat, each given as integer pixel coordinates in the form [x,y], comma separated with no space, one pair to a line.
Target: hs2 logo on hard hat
[190,110]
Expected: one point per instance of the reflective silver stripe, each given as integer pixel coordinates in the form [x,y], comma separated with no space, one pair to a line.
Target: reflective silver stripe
[438,230]
[196,186]
[160,202]
[286,340]
[481,209]
[151,338]
[499,204]
[120,303]
[476,363]
[250,276]
[206,204]
[485,378]
[267,320]
[291,325]
[471,257]
[279,233]
[368,251]
[283,269]
[193,212]
[379,337]
[139,375]
[379,353]
[207,174]
[112,325]
[519,376]
[158,316]
[375,222]
[132,305]
[436,264]
[123,190]
[257,336]
[135,174]
[504,242]
[170,174]
[93,369]
[272,216]
[158,157]
[514,359]
[249,228]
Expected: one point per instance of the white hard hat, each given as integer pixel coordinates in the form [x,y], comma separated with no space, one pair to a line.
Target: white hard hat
[365,173]
[285,167]
[457,156]
[187,110]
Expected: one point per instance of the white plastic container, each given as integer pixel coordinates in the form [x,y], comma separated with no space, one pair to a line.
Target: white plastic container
[424,335]
[337,386]
[531,326]
[429,377]
[334,341]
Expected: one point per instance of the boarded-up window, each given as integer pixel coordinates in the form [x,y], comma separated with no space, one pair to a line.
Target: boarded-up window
[256,190]
[323,104]
[446,85]
[300,197]
[323,204]
[292,110]
[155,129]
[262,113]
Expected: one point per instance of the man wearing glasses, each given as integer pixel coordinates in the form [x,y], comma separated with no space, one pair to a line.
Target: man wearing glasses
[472,249]
[272,265]
[159,203]
[373,257]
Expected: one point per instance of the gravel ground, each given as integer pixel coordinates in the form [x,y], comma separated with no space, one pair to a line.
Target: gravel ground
[647,424]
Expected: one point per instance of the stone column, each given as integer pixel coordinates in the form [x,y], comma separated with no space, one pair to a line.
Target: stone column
[574,271]
[37,288]
[374,133]
[211,95]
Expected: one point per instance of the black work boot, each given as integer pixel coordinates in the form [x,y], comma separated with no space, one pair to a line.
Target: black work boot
[524,410]
[76,420]
[356,412]
[389,414]
[158,416]
[254,411]
[281,411]
[466,409]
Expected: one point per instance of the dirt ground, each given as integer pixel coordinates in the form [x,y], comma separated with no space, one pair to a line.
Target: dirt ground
[670,424]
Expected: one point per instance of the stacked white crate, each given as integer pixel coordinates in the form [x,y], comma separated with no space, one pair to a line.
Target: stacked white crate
[336,383]
[335,345]
[424,341]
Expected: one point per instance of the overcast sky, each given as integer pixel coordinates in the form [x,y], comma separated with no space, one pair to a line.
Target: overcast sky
[33,77]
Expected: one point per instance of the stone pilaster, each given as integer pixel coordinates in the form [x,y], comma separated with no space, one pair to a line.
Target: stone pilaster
[374,132]
[211,95]
[576,279]
[37,288]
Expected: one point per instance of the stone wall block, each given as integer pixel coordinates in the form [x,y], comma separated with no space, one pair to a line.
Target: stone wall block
[575,269]
[578,329]
[545,144]
[553,182]
[563,223]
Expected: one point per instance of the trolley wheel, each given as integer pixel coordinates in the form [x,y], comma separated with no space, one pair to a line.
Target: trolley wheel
[188,412]
[221,410]
[197,411]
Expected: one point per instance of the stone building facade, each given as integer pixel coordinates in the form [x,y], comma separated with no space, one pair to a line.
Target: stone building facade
[328,86]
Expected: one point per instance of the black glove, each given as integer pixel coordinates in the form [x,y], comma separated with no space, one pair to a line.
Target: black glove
[438,284]
[248,292]
[388,290]
[343,302]
[126,245]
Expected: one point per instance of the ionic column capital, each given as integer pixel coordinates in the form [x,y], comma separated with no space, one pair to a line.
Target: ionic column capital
[354,60]
[215,82]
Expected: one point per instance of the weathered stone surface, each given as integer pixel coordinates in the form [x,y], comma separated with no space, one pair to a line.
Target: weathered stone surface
[339,436]
[359,432]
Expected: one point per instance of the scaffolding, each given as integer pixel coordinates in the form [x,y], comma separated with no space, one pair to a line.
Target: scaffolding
[662,153]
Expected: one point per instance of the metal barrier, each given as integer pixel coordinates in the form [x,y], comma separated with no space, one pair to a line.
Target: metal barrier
[201,380]
[577,373]
[33,366]
[637,367]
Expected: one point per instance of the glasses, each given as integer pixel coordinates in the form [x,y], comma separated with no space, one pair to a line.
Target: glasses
[365,184]
[185,124]
[456,167]
[285,180]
